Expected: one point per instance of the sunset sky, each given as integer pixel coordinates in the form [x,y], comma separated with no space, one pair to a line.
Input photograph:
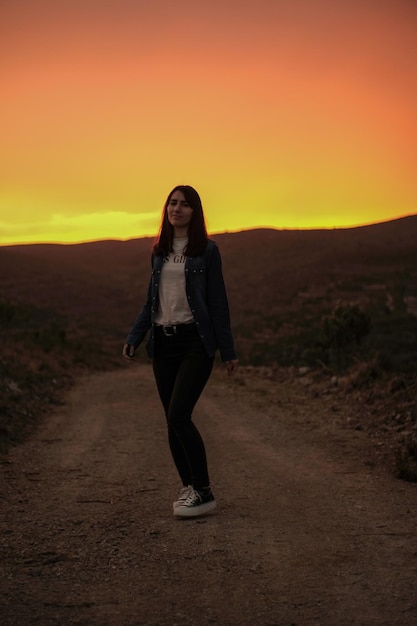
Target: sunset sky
[282,113]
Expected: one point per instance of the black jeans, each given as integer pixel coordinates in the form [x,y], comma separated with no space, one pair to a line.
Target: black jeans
[182,368]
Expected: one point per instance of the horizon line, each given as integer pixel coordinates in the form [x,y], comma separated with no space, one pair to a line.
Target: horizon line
[210,234]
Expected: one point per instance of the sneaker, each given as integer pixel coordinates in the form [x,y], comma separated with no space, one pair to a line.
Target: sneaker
[183,495]
[195,503]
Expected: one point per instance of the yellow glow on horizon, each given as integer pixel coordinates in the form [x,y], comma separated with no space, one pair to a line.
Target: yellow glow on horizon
[62,229]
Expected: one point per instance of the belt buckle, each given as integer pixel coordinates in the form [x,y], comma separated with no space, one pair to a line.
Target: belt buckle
[166,330]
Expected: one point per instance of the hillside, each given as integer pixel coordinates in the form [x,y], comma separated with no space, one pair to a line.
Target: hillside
[279,282]
[66,307]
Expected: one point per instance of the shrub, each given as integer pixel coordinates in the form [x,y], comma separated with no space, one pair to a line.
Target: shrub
[344,330]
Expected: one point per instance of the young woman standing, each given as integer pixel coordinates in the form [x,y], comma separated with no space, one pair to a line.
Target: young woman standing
[187,312]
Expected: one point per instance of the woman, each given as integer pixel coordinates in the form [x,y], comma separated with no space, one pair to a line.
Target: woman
[187,312]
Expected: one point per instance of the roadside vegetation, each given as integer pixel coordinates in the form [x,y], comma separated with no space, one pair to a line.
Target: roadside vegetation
[365,357]
[337,308]
[40,355]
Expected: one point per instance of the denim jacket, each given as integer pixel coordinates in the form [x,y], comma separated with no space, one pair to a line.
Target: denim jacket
[206,294]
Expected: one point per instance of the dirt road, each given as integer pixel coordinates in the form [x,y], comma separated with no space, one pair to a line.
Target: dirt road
[306,531]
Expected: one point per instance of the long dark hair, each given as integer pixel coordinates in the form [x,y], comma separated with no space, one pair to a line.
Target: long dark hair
[197,232]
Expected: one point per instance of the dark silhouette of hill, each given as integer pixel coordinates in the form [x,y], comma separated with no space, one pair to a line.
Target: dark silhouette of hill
[67,308]
[277,279]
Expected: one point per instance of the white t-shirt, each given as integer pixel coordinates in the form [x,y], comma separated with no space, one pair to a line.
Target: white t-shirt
[173,304]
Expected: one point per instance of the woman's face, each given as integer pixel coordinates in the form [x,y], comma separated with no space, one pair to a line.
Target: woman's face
[179,211]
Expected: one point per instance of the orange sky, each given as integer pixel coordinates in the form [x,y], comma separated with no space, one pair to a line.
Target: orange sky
[282,113]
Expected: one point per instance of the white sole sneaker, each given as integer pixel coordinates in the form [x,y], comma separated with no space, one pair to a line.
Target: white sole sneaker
[184,510]
[183,495]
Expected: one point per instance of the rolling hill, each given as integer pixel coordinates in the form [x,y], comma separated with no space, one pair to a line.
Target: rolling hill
[68,307]
[280,283]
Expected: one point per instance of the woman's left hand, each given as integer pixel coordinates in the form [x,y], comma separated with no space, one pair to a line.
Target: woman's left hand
[232,366]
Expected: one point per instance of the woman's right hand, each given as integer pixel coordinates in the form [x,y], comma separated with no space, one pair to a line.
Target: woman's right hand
[232,366]
[128,351]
